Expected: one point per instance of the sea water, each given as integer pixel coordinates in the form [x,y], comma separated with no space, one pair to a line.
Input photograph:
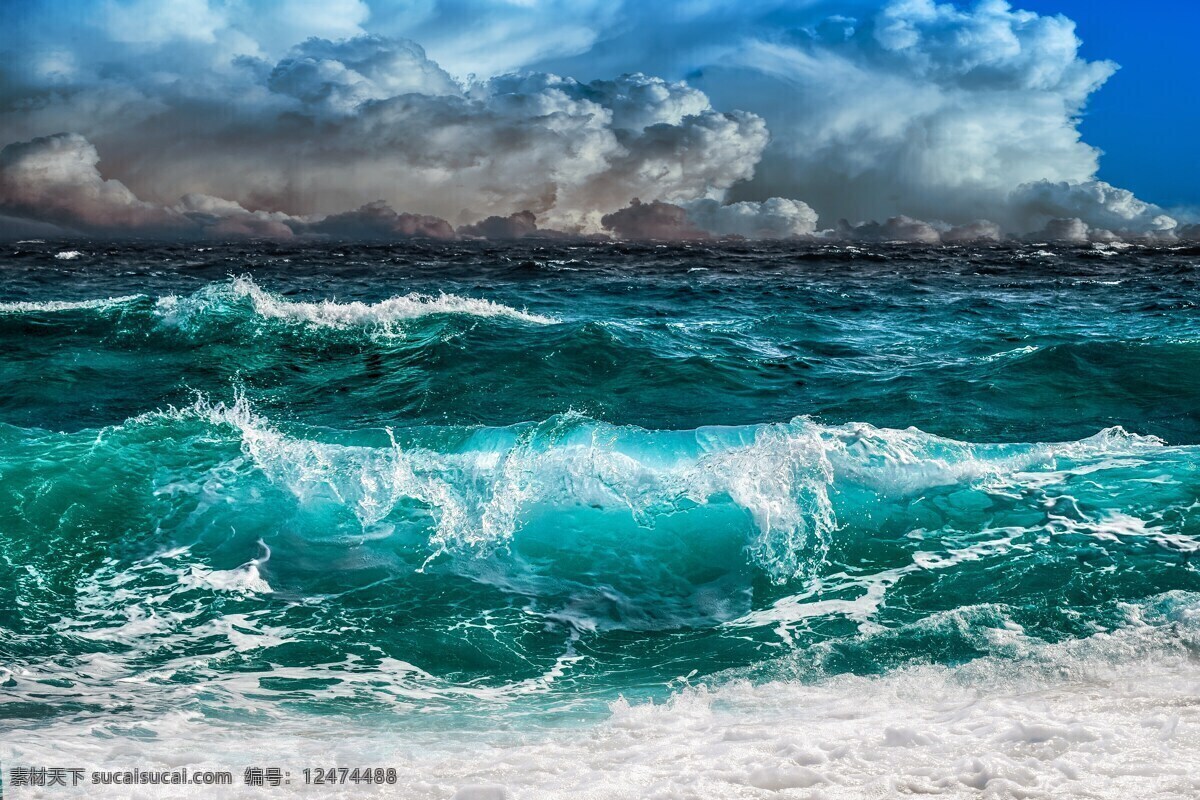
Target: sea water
[603,521]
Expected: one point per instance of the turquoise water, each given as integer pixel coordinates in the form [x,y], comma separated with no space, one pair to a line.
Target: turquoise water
[425,485]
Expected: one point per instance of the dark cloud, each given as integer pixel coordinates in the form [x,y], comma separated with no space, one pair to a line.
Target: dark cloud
[653,221]
[895,229]
[378,221]
[514,226]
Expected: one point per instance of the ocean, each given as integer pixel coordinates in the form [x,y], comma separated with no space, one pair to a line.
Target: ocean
[600,520]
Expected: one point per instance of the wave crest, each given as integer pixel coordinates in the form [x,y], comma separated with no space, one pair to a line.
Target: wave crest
[51,306]
[385,314]
[479,486]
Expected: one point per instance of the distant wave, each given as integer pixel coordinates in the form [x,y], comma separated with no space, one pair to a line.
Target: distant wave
[51,306]
[228,297]
[332,314]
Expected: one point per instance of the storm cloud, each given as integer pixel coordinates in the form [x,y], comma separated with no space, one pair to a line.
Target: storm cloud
[910,120]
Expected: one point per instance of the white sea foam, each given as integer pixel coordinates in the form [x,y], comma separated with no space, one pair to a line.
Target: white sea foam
[246,579]
[1109,717]
[187,310]
[68,255]
[1014,353]
[479,494]
[100,304]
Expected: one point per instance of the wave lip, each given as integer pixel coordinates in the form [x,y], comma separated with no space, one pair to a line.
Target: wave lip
[51,306]
[243,297]
[477,487]
[330,313]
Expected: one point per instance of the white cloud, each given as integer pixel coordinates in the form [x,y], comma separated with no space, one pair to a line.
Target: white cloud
[776,218]
[906,111]
[973,232]
[162,21]
[340,76]
[487,38]
[341,122]
[1072,230]
[1095,203]
[55,179]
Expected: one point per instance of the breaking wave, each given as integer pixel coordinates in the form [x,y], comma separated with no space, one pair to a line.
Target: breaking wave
[219,300]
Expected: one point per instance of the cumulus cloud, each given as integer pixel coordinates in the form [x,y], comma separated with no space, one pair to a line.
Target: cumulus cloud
[514,226]
[895,229]
[55,179]
[973,232]
[52,186]
[333,124]
[224,219]
[379,221]
[340,76]
[1094,203]
[1072,230]
[654,221]
[937,111]
[776,218]
[902,111]
[916,231]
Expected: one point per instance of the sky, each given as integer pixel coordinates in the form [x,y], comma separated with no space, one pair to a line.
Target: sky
[1147,116]
[854,119]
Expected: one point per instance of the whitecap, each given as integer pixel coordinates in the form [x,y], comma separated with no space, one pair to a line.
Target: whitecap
[382,315]
[99,304]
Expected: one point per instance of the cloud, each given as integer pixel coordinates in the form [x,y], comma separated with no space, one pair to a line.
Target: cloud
[973,232]
[340,76]
[254,26]
[895,229]
[486,37]
[1095,203]
[55,179]
[776,218]
[333,124]
[1072,230]
[916,231]
[159,21]
[52,186]
[514,226]
[224,219]
[653,221]
[378,221]
[901,111]
[936,111]
[15,228]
